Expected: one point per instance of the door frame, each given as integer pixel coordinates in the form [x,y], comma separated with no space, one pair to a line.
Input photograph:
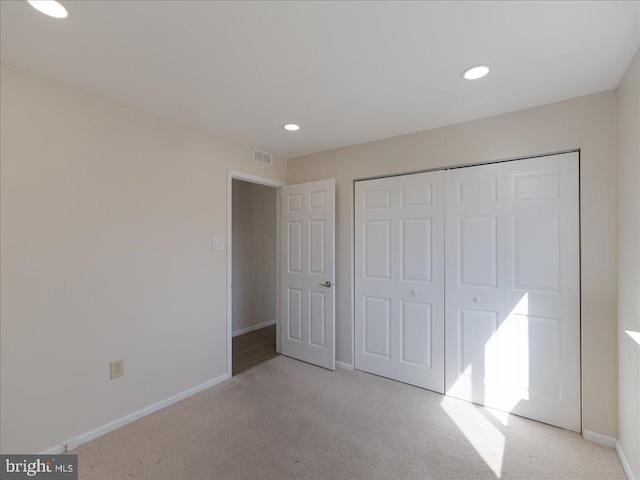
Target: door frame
[247,177]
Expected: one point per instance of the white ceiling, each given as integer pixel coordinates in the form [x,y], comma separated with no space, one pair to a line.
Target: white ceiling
[348,72]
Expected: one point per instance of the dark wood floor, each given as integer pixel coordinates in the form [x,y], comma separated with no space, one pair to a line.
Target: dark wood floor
[253,348]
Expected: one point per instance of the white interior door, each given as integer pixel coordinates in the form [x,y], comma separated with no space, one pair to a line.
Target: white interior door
[307,272]
[399,271]
[512,287]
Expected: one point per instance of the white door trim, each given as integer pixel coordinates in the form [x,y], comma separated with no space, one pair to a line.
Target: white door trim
[247,177]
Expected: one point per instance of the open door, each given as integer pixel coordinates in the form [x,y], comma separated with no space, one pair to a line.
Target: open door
[307,272]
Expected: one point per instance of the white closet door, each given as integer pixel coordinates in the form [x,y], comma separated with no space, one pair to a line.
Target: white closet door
[475,278]
[307,272]
[399,270]
[512,301]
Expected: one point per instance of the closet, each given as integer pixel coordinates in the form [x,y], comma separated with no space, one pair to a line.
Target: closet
[467,283]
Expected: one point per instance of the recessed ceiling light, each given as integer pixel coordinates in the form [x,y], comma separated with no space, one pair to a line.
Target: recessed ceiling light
[291,127]
[49,7]
[474,73]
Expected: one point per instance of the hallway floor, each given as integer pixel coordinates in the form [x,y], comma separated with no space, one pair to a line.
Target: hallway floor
[253,348]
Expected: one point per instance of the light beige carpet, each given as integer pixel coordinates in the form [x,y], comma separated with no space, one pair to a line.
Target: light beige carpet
[285,419]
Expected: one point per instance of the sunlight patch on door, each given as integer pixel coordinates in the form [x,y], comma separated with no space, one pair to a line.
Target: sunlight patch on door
[496,373]
[512,338]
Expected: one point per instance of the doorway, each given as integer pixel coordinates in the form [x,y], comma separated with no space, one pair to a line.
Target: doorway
[253,272]
[304,251]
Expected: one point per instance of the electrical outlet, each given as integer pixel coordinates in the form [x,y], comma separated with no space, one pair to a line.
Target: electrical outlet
[117,368]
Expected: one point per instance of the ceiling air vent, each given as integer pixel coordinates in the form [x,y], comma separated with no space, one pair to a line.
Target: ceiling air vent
[261,157]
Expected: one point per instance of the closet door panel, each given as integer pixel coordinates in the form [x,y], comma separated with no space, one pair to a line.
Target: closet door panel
[512,293]
[399,250]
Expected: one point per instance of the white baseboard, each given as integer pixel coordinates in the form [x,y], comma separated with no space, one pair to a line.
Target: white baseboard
[56,450]
[599,438]
[109,427]
[235,333]
[625,463]
[344,366]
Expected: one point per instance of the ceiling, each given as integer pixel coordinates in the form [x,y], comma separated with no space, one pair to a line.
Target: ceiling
[347,72]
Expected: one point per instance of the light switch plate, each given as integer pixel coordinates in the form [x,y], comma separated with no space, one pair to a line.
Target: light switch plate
[217,244]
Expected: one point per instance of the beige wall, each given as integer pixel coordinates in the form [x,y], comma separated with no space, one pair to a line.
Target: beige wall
[107,217]
[587,123]
[628,110]
[254,254]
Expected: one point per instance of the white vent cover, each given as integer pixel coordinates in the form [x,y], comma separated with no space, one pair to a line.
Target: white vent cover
[261,157]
